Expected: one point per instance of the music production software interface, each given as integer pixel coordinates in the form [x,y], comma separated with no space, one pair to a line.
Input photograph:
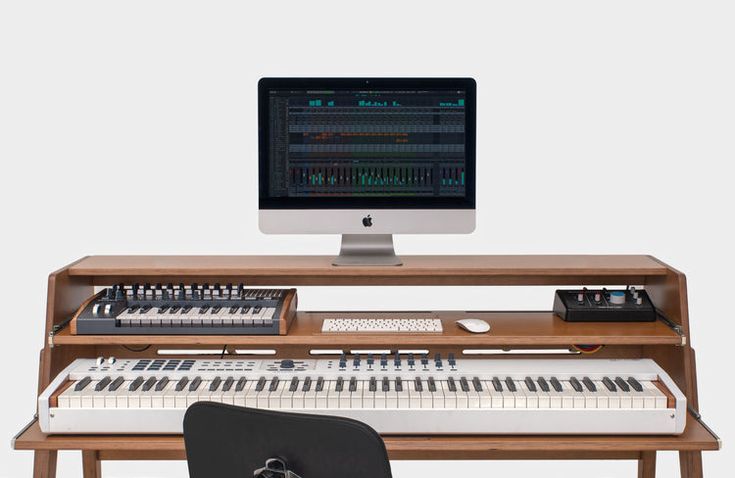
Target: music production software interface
[363,143]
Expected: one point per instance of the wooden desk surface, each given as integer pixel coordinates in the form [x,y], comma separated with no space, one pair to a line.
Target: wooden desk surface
[429,270]
[695,437]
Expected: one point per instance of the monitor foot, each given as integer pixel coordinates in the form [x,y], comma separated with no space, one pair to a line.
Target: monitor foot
[367,250]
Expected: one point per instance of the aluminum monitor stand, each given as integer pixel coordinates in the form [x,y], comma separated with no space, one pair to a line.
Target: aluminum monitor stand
[367,250]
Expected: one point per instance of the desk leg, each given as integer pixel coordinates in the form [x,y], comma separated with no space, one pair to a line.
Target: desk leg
[647,464]
[91,464]
[44,464]
[690,463]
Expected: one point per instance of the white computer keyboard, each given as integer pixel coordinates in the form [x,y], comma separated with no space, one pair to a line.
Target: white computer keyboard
[372,326]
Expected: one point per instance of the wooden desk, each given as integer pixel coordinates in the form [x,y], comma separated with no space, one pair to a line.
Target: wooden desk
[667,342]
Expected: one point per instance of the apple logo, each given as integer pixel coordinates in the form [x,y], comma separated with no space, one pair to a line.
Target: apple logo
[367,221]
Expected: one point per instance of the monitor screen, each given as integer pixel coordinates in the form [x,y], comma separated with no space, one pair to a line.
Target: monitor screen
[355,143]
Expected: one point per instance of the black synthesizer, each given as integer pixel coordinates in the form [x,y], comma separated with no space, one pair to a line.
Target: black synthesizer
[186,310]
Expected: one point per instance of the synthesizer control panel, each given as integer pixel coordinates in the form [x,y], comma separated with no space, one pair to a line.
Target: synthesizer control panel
[158,309]
[603,305]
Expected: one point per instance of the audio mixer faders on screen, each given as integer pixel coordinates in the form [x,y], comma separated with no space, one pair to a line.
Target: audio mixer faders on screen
[354,143]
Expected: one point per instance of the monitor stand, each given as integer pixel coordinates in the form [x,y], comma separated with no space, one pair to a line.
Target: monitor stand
[367,250]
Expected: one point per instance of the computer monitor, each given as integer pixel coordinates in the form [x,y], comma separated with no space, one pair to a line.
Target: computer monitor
[366,158]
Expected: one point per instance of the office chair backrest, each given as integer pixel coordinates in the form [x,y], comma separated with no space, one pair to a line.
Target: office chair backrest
[224,441]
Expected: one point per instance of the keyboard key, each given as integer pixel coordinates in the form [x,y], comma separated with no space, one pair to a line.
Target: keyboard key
[161,384]
[82,384]
[609,384]
[622,384]
[635,384]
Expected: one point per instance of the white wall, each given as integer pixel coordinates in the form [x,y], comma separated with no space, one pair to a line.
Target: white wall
[603,127]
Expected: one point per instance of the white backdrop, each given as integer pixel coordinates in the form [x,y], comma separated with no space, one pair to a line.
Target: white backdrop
[603,127]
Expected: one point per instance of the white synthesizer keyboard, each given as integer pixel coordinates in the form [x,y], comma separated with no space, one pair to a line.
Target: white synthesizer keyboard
[474,396]
[373,326]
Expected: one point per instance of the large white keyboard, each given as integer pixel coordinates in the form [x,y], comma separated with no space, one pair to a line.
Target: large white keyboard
[377,326]
[477,396]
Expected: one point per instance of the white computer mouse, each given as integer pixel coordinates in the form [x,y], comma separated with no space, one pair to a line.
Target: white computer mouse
[476,326]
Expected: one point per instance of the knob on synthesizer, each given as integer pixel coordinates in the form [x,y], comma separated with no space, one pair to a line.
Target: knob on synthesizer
[186,310]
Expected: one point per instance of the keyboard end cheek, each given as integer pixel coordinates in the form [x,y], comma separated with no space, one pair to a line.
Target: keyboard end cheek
[53,401]
[670,399]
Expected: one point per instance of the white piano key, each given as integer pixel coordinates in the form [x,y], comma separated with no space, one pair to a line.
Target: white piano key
[532,398]
[332,394]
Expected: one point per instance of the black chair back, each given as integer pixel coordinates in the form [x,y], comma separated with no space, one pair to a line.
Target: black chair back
[224,441]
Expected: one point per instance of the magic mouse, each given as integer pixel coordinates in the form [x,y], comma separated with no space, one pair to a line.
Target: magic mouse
[476,326]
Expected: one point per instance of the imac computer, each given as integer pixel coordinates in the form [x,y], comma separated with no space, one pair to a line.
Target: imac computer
[366,158]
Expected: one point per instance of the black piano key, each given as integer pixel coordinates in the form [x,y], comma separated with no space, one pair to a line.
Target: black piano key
[149,384]
[245,309]
[497,385]
[174,309]
[135,384]
[203,309]
[609,384]
[163,309]
[543,384]
[464,385]
[353,384]
[575,384]
[214,384]
[373,386]
[307,385]
[418,385]
[102,384]
[635,384]
[194,385]
[340,385]
[240,386]
[116,384]
[229,381]
[260,385]
[257,309]
[234,309]
[162,384]
[144,309]
[556,384]
[530,384]
[319,384]
[274,384]
[132,309]
[399,384]
[622,384]
[432,384]
[451,384]
[510,384]
[589,384]
[216,309]
[186,309]
[294,385]
[181,384]
[477,384]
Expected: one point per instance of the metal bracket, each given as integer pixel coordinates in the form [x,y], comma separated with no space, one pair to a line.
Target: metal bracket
[56,329]
[673,326]
[23,430]
[697,416]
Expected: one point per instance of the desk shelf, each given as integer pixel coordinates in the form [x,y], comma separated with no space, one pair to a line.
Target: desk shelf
[507,328]
[695,438]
